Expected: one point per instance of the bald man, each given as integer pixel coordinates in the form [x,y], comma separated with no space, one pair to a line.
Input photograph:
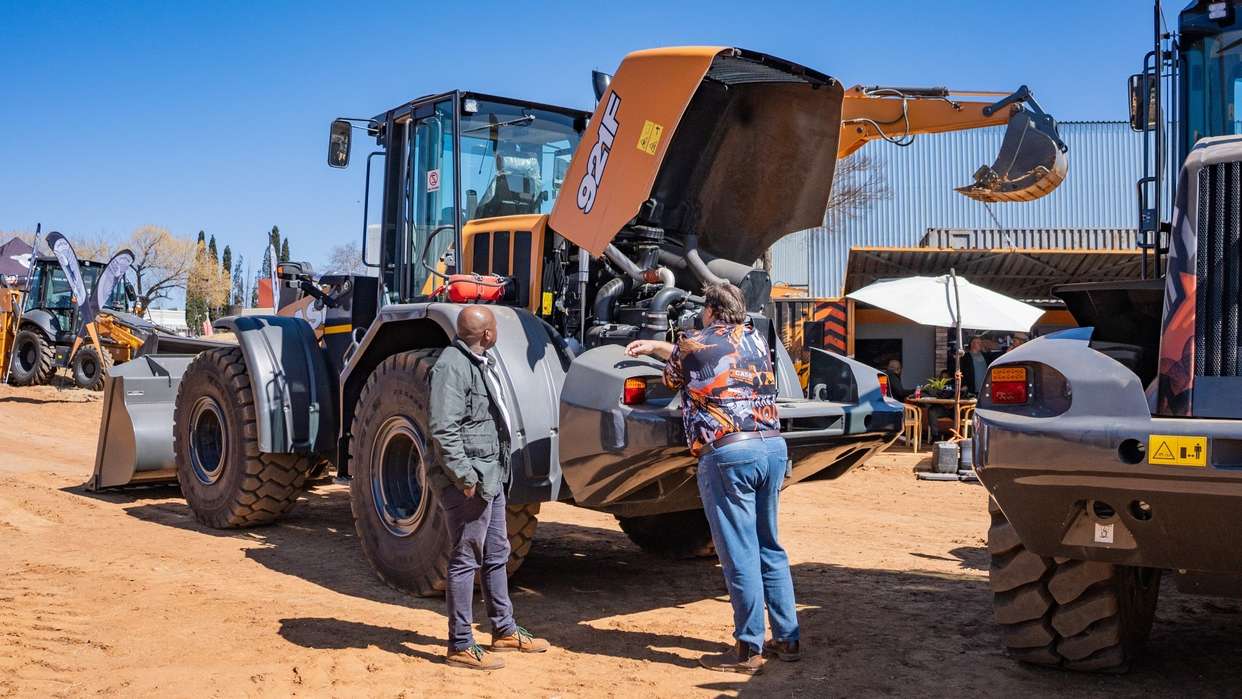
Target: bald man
[468,428]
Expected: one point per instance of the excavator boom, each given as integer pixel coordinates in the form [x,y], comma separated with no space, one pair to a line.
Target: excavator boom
[1031,162]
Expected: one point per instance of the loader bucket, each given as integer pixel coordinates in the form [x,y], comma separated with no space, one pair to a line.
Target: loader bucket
[1031,162]
[136,432]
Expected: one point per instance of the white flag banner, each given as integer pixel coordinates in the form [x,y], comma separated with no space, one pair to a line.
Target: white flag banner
[73,271]
[112,274]
[271,250]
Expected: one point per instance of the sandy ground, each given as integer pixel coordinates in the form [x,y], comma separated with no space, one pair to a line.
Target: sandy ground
[123,593]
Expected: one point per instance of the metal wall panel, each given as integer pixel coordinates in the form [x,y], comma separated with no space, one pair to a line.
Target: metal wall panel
[1105,160]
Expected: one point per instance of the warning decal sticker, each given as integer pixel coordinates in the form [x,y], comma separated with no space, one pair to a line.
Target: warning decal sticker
[1176,450]
[649,139]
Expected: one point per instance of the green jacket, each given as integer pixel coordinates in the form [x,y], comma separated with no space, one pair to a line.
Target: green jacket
[466,425]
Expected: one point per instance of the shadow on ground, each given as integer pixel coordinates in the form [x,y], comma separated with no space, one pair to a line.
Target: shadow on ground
[865,631]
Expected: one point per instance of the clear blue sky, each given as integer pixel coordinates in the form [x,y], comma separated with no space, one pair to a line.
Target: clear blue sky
[215,115]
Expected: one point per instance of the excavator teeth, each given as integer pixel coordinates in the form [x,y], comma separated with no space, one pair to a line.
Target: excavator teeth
[1030,164]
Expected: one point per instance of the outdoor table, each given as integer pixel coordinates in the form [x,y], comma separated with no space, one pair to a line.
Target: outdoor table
[923,403]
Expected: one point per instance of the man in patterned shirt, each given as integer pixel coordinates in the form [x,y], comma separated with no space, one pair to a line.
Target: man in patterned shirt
[728,405]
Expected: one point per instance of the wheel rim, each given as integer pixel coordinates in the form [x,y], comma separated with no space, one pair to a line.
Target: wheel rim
[397,477]
[27,356]
[89,368]
[208,435]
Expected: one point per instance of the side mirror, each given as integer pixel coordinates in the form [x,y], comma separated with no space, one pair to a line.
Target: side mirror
[129,292]
[1143,108]
[338,143]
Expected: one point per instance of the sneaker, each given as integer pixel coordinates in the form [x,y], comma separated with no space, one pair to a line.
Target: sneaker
[788,651]
[474,658]
[521,641]
[740,659]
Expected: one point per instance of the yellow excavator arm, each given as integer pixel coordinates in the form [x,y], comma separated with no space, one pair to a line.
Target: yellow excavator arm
[1030,165]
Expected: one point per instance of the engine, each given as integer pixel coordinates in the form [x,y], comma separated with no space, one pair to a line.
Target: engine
[647,285]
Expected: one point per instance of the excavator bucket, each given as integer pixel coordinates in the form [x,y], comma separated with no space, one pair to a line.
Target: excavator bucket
[1031,162]
[136,432]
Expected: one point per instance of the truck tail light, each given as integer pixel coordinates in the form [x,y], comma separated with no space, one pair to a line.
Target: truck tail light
[1008,385]
[884,385]
[635,391]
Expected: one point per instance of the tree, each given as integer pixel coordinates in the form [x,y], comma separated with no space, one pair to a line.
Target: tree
[346,259]
[211,250]
[239,282]
[94,247]
[284,250]
[858,183]
[207,287]
[162,263]
[226,260]
[273,239]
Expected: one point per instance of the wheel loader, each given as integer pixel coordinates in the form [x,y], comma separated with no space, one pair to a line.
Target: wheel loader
[584,231]
[1113,452]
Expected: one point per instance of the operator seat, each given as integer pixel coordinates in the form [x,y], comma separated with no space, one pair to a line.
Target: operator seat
[516,188]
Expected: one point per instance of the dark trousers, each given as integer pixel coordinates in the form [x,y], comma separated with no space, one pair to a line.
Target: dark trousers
[477,529]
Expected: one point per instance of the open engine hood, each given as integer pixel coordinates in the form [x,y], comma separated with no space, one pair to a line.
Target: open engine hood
[734,146]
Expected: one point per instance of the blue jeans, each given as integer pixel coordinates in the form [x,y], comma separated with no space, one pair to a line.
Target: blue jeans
[477,531]
[740,485]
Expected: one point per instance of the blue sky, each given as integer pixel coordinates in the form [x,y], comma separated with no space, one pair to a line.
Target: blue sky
[214,116]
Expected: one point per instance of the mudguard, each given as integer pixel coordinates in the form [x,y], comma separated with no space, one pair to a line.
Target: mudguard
[293,393]
[531,364]
[44,321]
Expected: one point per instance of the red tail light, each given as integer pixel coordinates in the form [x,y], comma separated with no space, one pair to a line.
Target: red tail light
[883,385]
[635,391]
[1008,385]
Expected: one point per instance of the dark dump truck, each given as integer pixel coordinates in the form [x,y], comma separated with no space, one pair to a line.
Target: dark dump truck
[1113,452]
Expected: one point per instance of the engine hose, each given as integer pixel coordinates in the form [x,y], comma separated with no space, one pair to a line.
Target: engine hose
[655,319]
[633,271]
[697,265]
[607,296]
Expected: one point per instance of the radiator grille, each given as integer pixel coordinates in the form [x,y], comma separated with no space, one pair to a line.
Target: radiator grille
[1218,268]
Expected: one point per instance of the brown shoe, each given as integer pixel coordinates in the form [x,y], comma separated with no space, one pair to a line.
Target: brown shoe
[474,658]
[739,659]
[787,651]
[520,641]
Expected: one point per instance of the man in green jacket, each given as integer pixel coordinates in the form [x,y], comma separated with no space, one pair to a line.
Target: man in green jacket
[468,421]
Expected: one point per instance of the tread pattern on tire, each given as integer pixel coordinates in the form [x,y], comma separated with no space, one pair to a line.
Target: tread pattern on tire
[272,482]
[521,520]
[1071,613]
[1065,613]
[44,362]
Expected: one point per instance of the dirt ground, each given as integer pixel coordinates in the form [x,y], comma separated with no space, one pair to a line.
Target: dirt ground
[123,593]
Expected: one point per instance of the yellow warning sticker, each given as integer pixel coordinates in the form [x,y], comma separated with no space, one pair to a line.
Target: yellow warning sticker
[546,305]
[1176,450]
[649,139]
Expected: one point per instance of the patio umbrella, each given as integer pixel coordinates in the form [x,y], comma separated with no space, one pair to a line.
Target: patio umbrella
[949,301]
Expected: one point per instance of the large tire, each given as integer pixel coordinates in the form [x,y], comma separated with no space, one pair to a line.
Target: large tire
[90,367]
[396,512]
[677,535]
[226,480]
[33,359]
[1080,615]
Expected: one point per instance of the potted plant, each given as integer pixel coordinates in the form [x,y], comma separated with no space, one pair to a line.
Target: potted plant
[938,388]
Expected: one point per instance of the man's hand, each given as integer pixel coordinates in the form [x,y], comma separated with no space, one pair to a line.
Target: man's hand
[654,348]
[469,492]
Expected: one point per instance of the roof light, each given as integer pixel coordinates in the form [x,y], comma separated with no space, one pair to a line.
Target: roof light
[470,106]
[1218,10]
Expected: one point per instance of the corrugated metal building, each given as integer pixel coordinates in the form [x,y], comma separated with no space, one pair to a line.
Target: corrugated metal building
[1105,161]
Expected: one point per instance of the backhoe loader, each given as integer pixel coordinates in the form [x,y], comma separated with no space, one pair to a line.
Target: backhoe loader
[585,231]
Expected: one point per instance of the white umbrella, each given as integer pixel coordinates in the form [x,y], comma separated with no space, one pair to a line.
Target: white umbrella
[930,301]
[949,301]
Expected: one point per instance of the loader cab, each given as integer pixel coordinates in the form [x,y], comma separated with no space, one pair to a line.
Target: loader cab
[49,290]
[1210,65]
[445,160]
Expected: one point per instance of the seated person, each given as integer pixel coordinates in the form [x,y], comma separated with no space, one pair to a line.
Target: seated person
[895,387]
